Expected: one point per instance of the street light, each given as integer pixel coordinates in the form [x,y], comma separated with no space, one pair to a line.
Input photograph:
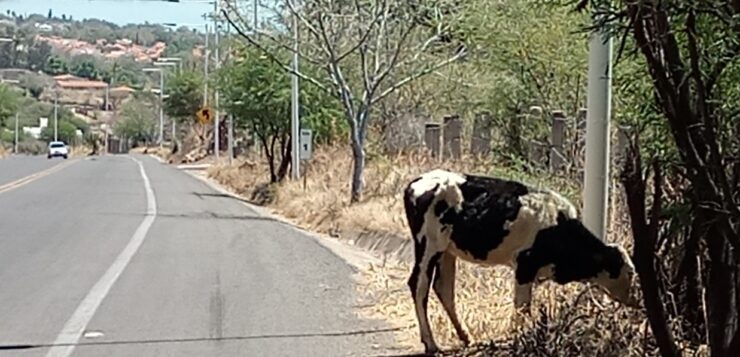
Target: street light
[164,96]
[170,61]
[161,102]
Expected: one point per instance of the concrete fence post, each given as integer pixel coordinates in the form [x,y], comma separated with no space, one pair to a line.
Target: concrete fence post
[432,139]
[481,138]
[557,140]
[515,141]
[452,136]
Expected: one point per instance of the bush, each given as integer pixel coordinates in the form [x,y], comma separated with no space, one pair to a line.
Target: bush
[32,147]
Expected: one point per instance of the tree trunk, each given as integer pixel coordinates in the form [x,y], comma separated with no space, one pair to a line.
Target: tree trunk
[721,293]
[286,149]
[644,237]
[358,160]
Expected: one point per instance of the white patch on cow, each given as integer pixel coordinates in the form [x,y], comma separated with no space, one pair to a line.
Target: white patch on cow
[429,180]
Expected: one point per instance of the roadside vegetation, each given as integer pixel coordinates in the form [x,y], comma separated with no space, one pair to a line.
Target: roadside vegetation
[374,72]
[676,177]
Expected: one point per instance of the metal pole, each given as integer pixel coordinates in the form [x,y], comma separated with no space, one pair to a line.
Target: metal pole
[205,70]
[15,143]
[161,108]
[56,115]
[216,122]
[256,3]
[295,105]
[596,189]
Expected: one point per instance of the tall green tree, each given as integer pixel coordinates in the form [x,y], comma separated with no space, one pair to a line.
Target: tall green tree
[185,92]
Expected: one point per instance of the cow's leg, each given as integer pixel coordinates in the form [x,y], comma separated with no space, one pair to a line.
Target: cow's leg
[419,282]
[444,287]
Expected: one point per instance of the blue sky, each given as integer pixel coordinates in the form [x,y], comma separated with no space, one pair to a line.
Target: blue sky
[120,12]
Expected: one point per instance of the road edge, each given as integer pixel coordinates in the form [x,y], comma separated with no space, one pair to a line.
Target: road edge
[358,259]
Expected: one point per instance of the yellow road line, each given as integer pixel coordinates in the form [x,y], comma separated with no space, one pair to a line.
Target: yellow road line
[33,177]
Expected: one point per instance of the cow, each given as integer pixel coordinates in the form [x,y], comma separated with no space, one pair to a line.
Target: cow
[493,221]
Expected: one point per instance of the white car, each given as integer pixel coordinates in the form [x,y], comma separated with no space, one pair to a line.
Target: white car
[57,148]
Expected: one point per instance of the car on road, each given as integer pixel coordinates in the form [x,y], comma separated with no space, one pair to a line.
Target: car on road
[56,149]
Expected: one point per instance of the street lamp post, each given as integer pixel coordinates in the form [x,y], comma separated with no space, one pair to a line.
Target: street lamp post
[171,63]
[56,113]
[161,102]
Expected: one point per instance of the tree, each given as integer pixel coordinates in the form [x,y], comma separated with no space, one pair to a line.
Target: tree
[138,122]
[185,91]
[367,51]
[55,66]
[66,132]
[691,52]
[257,92]
[8,104]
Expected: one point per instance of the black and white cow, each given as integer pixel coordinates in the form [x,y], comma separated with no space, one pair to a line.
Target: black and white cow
[492,221]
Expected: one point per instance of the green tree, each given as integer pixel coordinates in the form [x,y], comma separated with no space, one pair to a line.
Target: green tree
[257,92]
[66,132]
[8,104]
[185,92]
[138,122]
[55,66]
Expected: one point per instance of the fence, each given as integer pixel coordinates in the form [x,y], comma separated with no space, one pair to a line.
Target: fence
[562,151]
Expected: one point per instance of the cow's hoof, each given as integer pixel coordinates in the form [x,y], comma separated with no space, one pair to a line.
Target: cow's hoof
[431,350]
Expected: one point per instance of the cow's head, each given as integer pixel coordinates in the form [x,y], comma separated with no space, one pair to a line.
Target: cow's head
[617,276]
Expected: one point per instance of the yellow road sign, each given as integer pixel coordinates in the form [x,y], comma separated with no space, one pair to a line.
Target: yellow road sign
[204,115]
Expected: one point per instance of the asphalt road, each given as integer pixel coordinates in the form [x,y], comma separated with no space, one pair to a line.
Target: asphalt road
[96,262]
[16,167]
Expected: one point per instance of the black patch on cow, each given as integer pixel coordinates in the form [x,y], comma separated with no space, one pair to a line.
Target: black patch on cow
[415,211]
[440,207]
[575,253]
[488,203]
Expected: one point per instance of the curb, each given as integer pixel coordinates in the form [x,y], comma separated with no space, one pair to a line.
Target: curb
[374,247]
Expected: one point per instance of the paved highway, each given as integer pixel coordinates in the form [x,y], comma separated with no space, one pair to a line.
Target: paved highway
[124,256]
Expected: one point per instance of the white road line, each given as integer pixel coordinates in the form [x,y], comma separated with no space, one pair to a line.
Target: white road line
[75,326]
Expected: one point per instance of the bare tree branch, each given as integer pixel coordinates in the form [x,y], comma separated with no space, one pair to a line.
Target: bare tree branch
[276,60]
[460,54]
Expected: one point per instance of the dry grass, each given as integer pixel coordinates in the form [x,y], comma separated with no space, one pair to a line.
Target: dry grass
[324,203]
[568,320]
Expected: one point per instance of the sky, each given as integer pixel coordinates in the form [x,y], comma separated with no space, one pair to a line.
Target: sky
[120,12]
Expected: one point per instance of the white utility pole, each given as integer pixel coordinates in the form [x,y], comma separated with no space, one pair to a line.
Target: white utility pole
[216,121]
[15,143]
[161,108]
[256,4]
[598,102]
[295,105]
[56,114]
[206,54]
